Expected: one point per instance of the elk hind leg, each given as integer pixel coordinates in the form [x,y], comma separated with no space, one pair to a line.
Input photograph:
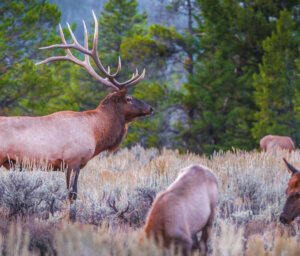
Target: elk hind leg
[204,238]
[185,243]
[195,243]
[186,246]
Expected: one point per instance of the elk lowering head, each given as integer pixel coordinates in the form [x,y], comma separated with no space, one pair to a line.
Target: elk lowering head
[291,208]
[184,209]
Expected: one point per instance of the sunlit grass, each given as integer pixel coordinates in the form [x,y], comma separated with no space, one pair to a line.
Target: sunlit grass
[251,185]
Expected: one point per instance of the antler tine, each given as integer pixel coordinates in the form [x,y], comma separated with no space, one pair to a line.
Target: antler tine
[63,37]
[86,43]
[119,66]
[95,41]
[65,45]
[134,76]
[57,58]
[72,35]
[52,59]
[96,58]
[131,83]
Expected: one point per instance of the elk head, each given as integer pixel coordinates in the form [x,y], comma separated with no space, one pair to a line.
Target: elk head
[126,105]
[291,208]
[131,107]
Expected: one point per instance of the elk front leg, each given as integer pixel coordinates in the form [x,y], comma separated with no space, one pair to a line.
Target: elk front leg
[72,180]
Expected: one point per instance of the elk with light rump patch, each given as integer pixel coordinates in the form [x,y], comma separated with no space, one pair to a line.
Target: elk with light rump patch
[271,142]
[185,208]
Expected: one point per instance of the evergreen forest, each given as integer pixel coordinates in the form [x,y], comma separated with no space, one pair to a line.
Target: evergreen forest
[223,79]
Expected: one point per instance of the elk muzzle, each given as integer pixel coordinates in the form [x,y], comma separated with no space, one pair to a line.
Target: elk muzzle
[284,219]
[290,211]
[149,112]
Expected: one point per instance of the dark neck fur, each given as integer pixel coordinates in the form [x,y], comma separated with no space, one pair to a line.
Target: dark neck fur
[110,128]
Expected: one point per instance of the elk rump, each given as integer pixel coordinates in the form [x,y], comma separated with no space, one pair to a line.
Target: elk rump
[271,142]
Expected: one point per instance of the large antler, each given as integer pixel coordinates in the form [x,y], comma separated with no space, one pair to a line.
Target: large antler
[119,213]
[109,79]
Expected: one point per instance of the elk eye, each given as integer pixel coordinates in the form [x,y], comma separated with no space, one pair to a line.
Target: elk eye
[297,194]
[128,99]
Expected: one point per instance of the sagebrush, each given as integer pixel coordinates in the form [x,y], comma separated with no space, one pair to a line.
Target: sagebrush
[117,190]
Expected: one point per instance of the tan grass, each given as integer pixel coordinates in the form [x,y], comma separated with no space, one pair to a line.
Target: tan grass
[252,186]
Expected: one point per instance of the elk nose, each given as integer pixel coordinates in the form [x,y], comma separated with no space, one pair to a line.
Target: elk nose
[151,111]
[283,219]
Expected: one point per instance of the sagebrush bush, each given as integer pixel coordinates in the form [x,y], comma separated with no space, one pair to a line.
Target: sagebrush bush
[116,191]
[31,193]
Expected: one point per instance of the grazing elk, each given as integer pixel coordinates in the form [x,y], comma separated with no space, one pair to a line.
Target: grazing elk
[70,139]
[291,208]
[184,209]
[270,142]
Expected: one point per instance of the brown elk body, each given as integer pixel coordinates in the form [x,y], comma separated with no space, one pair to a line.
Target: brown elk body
[271,142]
[184,209]
[291,207]
[70,139]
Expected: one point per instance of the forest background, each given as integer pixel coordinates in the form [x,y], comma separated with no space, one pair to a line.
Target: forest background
[220,73]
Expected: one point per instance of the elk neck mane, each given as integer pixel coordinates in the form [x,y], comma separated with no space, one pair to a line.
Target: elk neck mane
[110,128]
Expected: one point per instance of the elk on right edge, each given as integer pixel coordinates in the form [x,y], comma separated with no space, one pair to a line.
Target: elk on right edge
[291,209]
[70,139]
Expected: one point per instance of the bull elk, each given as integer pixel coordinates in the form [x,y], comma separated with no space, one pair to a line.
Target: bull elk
[291,208]
[70,139]
[271,142]
[184,209]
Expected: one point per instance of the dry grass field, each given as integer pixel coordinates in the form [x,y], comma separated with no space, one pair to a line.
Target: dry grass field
[116,191]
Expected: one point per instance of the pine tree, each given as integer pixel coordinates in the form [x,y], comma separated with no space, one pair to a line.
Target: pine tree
[165,51]
[219,95]
[25,26]
[277,84]
[159,44]
[120,19]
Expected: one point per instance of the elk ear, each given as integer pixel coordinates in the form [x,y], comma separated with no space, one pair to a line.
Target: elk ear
[292,170]
[118,95]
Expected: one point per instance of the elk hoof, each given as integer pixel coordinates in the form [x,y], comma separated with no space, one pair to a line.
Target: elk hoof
[72,212]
